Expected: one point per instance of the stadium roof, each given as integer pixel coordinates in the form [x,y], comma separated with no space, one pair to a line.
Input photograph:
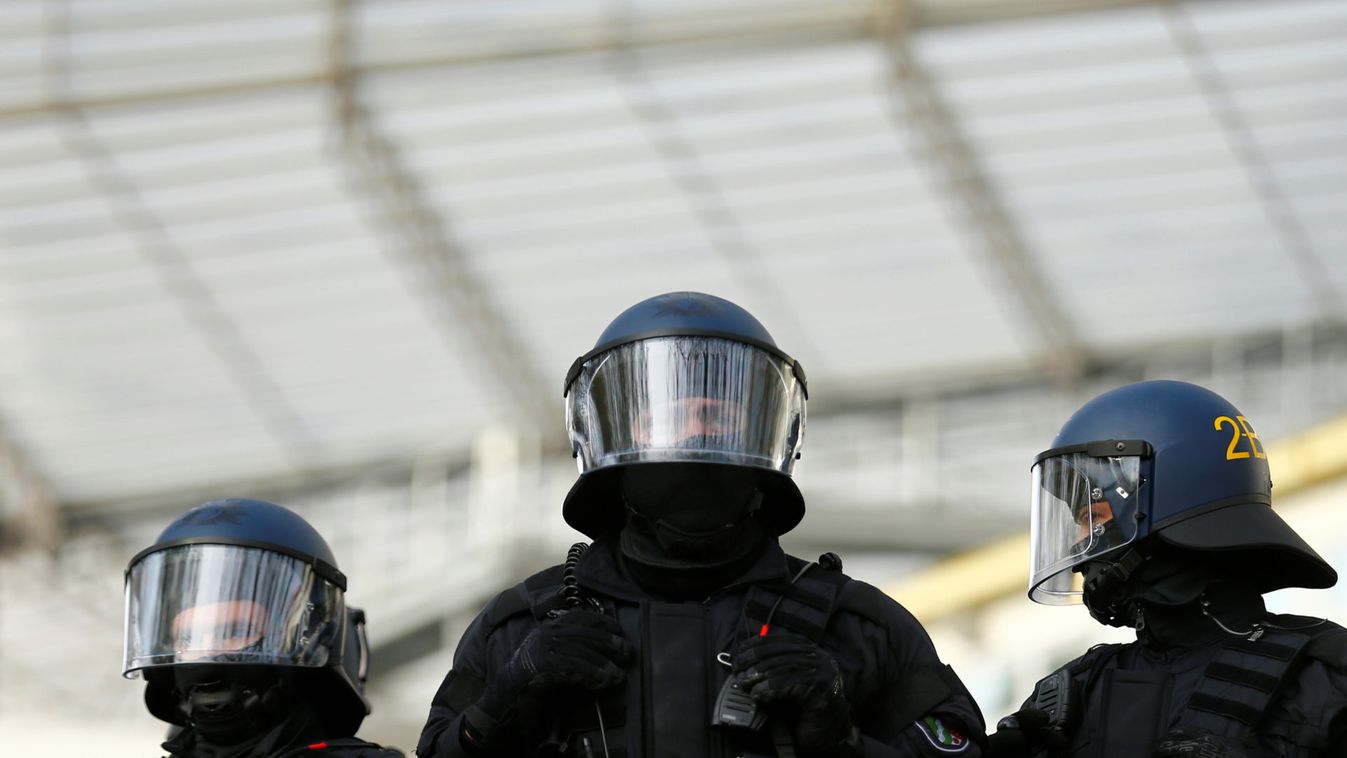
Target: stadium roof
[259,241]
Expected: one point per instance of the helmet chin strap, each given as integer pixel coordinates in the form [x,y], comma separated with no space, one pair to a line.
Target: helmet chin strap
[228,704]
[1107,594]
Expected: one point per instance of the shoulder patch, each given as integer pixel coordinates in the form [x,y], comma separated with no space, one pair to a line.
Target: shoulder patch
[942,737]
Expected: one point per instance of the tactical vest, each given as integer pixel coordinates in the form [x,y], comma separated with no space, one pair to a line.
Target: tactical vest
[676,693]
[1234,698]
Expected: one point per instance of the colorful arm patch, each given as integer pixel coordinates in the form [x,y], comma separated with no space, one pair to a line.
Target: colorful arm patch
[942,737]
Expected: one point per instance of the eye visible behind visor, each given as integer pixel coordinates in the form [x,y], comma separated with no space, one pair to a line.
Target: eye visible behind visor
[1085,501]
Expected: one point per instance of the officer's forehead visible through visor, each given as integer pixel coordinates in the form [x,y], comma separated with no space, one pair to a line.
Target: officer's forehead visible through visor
[1086,504]
[697,416]
[220,626]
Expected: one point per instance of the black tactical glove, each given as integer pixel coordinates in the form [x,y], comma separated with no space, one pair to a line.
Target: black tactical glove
[1191,743]
[1026,733]
[578,649]
[800,683]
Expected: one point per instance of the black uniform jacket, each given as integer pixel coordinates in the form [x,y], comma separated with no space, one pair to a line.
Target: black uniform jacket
[303,733]
[904,701]
[185,745]
[1134,695]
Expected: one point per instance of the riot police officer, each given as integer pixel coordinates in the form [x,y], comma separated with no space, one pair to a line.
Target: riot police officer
[236,618]
[1154,508]
[685,630]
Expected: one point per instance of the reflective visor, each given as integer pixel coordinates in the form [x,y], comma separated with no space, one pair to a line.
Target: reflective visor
[1083,507]
[686,398]
[228,604]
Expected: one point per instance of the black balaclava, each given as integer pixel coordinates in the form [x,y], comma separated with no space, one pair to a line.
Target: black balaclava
[1161,596]
[229,705]
[302,725]
[1116,588]
[691,528]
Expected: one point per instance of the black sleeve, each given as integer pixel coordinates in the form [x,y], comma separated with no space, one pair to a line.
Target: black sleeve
[486,646]
[1311,715]
[918,705]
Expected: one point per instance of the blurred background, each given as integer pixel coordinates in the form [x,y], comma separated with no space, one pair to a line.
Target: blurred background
[339,254]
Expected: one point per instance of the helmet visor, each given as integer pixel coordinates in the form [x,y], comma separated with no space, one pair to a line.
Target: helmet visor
[686,398]
[229,604]
[1083,507]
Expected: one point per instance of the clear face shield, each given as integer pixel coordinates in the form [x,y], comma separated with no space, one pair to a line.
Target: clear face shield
[1085,505]
[215,604]
[686,398]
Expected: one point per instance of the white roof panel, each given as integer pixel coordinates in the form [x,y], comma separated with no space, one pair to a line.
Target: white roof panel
[198,260]
[1118,155]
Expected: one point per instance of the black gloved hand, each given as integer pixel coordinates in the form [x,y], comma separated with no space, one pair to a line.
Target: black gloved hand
[1190,743]
[1024,733]
[800,683]
[578,649]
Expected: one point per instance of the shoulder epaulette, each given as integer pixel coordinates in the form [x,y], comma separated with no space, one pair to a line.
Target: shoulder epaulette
[507,604]
[1330,647]
[864,600]
[803,605]
[1095,657]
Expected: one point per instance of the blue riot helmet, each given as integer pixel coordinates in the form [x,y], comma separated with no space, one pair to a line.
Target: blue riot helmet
[684,378]
[1159,465]
[233,600]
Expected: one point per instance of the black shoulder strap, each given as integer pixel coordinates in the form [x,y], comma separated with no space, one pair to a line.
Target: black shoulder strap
[1246,678]
[864,600]
[803,605]
[509,603]
[1083,670]
[1086,668]
[537,595]
[824,590]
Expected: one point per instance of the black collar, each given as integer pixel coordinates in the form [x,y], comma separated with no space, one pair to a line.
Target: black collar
[598,571]
[1187,626]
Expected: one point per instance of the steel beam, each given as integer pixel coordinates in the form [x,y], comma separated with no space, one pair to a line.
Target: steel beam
[830,22]
[957,169]
[280,486]
[937,13]
[27,499]
[1280,213]
[421,238]
[196,302]
[704,197]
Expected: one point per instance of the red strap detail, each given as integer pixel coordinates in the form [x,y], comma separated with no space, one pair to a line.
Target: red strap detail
[763,631]
[318,746]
